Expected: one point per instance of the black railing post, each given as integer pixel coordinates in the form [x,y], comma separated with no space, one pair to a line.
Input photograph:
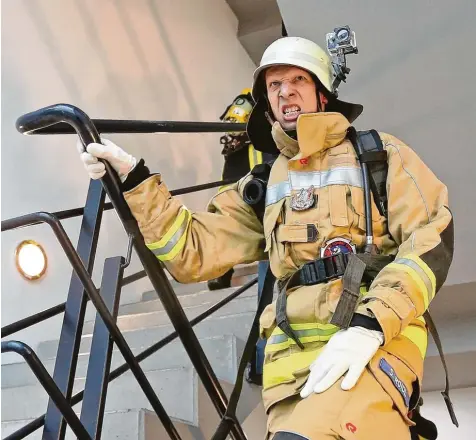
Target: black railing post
[78,397]
[70,338]
[95,388]
[48,384]
[87,133]
[102,309]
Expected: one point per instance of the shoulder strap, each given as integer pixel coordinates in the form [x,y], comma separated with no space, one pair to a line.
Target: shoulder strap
[375,156]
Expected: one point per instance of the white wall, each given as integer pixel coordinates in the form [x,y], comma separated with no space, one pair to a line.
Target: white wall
[141,59]
[415,77]
[464,401]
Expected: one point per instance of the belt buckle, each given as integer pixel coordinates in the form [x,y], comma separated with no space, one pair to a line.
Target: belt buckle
[310,273]
[337,263]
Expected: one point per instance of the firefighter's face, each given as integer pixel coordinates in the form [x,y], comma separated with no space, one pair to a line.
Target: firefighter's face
[291,91]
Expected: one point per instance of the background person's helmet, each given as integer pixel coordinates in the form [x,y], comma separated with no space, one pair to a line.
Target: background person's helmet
[238,111]
[298,52]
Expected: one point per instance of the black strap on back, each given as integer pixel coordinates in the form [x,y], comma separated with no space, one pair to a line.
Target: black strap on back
[375,157]
[436,337]
[230,414]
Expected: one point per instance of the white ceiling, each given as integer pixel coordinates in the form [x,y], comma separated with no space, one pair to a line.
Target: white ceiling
[259,24]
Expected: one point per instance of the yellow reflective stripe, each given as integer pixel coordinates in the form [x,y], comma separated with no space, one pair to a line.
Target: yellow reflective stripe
[426,269]
[174,239]
[281,370]
[307,332]
[251,156]
[418,336]
[259,157]
[224,187]
[415,276]
[255,157]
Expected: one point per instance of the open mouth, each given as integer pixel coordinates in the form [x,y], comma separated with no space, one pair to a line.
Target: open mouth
[290,112]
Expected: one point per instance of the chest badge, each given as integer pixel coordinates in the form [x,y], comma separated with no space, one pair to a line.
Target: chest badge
[304,199]
[337,245]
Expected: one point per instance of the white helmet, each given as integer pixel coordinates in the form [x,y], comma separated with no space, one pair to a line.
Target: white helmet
[303,53]
[299,52]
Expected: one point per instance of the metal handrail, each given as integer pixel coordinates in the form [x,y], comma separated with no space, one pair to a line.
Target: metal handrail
[119,371]
[64,118]
[114,331]
[48,384]
[81,123]
[128,126]
[24,323]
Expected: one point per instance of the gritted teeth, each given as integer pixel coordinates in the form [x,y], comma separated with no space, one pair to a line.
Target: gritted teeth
[290,108]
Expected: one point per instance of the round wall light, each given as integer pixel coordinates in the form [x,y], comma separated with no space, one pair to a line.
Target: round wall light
[30,259]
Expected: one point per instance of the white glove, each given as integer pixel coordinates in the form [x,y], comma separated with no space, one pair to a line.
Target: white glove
[350,349]
[121,161]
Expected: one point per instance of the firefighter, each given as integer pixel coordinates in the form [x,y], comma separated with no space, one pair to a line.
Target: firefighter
[240,158]
[320,381]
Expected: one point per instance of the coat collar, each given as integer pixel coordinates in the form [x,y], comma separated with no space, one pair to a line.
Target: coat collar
[316,132]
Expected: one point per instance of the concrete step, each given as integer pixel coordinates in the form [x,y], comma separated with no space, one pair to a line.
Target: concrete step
[223,353]
[237,324]
[123,394]
[460,376]
[135,321]
[242,274]
[118,425]
[144,424]
[151,302]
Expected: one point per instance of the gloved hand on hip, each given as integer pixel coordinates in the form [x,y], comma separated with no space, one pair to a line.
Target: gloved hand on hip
[123,163]
[347,350]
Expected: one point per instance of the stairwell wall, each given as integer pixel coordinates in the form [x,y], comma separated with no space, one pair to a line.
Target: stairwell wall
[116,59]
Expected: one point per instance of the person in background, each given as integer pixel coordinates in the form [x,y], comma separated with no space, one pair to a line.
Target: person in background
[240,158]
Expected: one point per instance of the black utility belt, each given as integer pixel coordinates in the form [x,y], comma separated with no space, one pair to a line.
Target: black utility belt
[320,270]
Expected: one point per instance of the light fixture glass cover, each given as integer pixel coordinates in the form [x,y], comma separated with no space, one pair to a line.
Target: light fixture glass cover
[31,260]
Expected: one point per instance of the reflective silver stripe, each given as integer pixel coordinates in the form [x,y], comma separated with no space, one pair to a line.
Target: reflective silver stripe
[274,193]
[319,179]
[277,339]
[164,250]
[419,271]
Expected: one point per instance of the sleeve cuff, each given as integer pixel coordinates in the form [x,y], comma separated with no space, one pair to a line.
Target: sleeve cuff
[136,176]
[359,320]
[390,323]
